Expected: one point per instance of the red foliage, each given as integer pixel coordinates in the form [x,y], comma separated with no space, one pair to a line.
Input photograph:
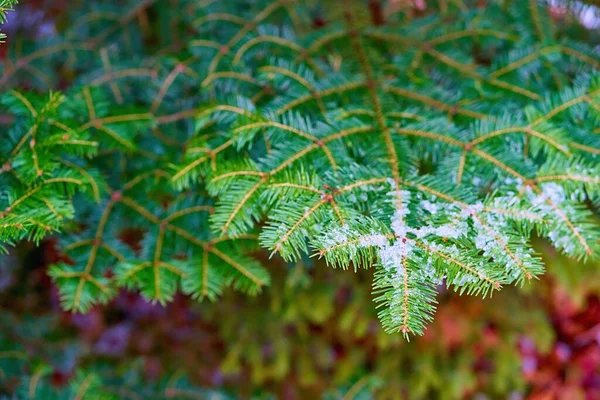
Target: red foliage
[571,370]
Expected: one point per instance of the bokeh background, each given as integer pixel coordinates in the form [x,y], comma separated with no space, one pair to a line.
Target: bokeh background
[314,334]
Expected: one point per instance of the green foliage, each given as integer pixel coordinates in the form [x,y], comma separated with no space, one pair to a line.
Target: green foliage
[29,375]
[430,147]
[40,172]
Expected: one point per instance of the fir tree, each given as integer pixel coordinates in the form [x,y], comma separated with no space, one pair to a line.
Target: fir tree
[428,144]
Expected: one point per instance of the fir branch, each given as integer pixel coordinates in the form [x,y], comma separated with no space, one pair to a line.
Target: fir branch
[427,148]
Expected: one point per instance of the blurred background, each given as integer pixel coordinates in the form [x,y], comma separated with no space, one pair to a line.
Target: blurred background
[313,334]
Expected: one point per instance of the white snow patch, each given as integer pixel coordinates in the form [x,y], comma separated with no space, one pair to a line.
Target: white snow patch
[430,207]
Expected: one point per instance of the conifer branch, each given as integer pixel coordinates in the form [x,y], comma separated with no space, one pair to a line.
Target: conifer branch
[427,149]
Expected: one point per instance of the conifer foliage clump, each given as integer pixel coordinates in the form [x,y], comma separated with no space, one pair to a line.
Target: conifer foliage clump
[165,145]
